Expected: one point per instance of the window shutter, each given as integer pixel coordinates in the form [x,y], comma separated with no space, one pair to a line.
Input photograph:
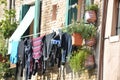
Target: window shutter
[118,25]
[23,11]
[72,12]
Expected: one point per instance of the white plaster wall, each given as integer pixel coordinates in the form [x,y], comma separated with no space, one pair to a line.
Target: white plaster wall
[111,66]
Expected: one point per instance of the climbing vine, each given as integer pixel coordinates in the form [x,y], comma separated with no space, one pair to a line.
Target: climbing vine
[8,24]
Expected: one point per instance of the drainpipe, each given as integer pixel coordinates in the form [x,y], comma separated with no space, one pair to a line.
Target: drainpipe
[66,16]
[101,47]
[36,18]
[13,4]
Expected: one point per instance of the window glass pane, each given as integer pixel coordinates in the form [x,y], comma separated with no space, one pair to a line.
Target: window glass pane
[88,2]
[118,26]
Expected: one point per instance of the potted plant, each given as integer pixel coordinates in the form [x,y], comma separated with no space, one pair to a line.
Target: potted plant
[77,61]
[75,30]
[90,14]
[89,62]
[89,34]
[6,73]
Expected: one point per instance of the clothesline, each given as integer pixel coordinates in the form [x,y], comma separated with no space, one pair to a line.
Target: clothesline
[59,30]
[30,35]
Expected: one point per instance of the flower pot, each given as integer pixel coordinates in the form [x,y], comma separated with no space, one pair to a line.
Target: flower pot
[77,39]
[90,16]
[1,58]
[90,62]
[90,42]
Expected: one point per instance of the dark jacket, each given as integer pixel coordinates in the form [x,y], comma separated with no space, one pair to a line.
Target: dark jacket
[47,46]
[66,46]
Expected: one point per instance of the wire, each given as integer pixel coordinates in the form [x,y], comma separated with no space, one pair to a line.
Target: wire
[29,35]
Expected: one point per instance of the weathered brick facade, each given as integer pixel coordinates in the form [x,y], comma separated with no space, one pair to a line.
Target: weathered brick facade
[18,3]
[47,24]
[2,6]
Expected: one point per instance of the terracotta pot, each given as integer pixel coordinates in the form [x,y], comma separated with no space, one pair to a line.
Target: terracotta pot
[90,42]
[90,62]
[90,16]
[2,59]
[77,39]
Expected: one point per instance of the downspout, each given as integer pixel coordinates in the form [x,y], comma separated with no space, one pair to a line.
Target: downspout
[101,47]
[13,4]
[9,2]
[36,18]
[66,16]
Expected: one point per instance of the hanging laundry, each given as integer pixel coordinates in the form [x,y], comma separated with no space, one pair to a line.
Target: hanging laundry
[37,47]
[66,46]
[56,49]
[37,53]
[28,59]
[21,59]
[47,46]
[43,52]
[13,55]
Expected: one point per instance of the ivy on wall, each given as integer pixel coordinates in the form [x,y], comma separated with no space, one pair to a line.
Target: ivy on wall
[8,25]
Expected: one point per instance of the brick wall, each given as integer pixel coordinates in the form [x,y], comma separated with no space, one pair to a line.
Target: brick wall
[1,11]
[17,8]
[18,3]
[47,24]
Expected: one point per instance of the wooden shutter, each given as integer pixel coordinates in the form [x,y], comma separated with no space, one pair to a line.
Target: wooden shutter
[72,12]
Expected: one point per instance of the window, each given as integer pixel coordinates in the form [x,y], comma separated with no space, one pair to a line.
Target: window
[54,14]
[72,12]
[76,12]
[116,18]
[88,2]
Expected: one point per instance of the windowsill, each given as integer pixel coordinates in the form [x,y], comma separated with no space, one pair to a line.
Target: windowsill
[54,2]
[31,2]
[53,21]
[115,38]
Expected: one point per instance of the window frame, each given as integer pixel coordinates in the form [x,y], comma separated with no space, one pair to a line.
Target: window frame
[115,18]
[54,12]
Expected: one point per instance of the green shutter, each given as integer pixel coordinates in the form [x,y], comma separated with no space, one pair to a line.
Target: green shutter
[66,15]
[72,12]
[23,11]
